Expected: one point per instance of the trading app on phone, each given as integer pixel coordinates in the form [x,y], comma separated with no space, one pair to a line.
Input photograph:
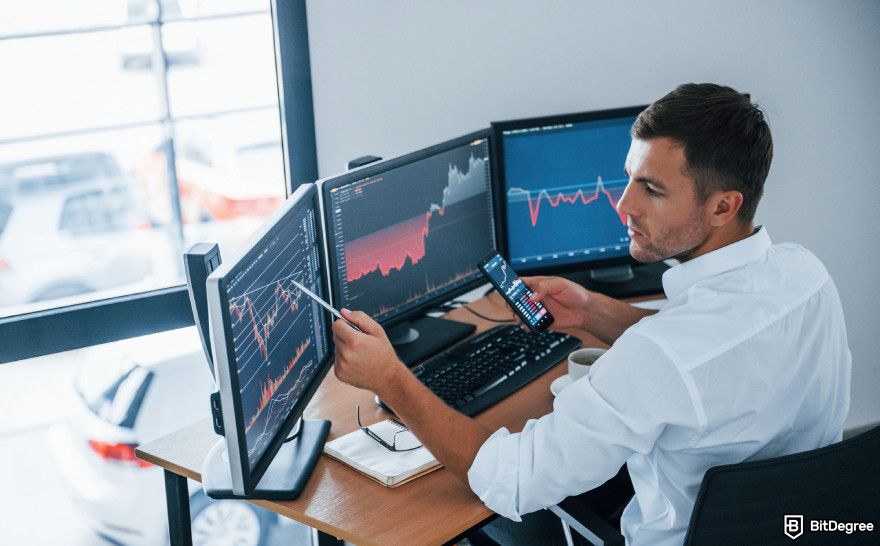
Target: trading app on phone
[515,291]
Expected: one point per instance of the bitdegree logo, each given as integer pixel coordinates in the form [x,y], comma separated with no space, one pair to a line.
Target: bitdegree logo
[793,526]
[848,527]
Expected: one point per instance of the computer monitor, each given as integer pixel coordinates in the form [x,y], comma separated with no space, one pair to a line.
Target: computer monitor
[407,233]
[558,184]
[272,344]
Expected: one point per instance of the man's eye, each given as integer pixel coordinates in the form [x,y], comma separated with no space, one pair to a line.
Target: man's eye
[651,191]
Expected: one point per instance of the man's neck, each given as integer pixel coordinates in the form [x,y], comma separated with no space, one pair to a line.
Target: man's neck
[719,238]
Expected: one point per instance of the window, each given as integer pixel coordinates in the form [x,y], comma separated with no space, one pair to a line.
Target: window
[135,128]
[131,129]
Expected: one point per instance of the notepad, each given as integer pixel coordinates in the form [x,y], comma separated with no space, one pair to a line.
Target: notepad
[390,468]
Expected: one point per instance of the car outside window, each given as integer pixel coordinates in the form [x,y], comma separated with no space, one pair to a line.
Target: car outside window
[99,211]
[117,400]
[5,213]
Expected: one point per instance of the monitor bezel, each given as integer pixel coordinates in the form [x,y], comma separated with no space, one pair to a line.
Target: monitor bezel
[327,184]
[245,480]
[499,197]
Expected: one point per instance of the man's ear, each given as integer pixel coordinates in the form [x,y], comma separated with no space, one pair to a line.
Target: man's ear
[724,207]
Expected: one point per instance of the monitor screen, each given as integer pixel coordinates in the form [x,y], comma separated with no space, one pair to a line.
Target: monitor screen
[409,232]
[277,342]
[561,179]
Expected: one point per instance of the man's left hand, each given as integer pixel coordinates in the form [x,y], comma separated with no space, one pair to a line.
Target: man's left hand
[364,359]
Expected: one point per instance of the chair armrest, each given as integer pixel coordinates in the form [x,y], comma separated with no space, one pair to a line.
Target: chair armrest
[590,526]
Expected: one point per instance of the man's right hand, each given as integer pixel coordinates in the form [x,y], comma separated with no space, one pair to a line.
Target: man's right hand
[566,300]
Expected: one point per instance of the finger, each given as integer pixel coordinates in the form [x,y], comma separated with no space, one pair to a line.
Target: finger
[536,285]
[363,321]
[338,371]
[534,281]
[543,286]
[342,332]
[337,341]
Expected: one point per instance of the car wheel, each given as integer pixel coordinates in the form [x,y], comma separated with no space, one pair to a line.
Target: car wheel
[232,522]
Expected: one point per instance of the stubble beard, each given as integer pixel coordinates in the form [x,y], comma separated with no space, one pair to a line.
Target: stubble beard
[679,243]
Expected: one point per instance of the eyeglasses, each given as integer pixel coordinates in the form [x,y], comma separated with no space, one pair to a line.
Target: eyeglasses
[403,439]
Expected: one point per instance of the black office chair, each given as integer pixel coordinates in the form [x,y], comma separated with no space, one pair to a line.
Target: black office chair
[747,503]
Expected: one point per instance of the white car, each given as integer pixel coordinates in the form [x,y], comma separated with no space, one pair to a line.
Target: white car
[128,393]
[69,225]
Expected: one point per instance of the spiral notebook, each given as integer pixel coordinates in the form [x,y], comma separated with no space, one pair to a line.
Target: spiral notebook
[367,456]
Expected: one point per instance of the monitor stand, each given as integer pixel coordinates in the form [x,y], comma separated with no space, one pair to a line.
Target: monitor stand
[287,473]
[622,281]
[418,339]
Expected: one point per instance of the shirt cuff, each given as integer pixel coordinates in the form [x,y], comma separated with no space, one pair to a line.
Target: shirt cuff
[493,475]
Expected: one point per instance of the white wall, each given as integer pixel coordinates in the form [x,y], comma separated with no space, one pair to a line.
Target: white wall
[391,77]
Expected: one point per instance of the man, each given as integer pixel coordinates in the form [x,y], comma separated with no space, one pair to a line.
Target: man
[748,359]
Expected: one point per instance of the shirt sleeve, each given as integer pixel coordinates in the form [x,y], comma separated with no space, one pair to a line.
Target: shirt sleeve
[632,394]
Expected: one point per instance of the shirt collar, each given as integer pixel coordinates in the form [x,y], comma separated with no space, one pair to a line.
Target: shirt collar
[679,278]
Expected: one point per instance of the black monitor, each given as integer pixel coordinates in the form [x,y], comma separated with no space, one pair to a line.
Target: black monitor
[272,346]
[558,184]
[407,233]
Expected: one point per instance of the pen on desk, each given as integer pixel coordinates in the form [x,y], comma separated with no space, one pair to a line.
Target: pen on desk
[325,305]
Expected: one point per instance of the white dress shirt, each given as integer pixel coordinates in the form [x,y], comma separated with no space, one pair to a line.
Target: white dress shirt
[747,360]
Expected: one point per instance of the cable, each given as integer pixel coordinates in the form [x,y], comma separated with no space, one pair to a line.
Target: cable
[299,429]
[484,317]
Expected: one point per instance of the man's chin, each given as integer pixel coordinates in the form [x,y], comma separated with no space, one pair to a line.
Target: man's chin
[642,255]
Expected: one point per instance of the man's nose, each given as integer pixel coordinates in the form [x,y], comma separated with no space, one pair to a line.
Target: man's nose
[625,205]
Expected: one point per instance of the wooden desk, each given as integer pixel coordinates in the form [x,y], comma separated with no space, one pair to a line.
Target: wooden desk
[341,502]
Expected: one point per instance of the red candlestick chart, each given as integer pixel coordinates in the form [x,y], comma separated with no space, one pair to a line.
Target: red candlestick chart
[270,385]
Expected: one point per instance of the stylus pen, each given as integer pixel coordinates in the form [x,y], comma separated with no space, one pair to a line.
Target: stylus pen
[325,305]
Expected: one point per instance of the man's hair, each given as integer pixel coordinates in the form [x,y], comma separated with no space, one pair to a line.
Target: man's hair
[727,142]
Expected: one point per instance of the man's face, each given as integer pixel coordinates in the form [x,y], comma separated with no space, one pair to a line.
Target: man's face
[664,217]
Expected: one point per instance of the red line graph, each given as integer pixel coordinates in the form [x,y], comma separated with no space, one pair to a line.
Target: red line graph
[262,327]
[561,197]
[270,387]
[389,248]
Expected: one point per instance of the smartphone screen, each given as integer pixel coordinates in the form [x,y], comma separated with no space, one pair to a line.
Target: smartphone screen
[515,291]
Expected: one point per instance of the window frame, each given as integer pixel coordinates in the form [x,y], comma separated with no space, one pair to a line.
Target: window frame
[71,327]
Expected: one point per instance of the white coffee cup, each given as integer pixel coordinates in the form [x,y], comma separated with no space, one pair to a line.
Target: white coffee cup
[579,361]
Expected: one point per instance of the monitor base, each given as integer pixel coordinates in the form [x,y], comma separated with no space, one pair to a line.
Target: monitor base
[287,473]
[416,340]
[645,279]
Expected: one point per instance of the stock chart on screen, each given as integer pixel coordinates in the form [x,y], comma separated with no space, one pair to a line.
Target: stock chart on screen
[561,184]
[278,332]
[411,232]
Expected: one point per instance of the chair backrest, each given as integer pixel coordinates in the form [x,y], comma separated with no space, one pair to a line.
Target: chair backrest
[747,503]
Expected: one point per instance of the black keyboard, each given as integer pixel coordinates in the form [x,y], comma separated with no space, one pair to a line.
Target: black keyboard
[488,367]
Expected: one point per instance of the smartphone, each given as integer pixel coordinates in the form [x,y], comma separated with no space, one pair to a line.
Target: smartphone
[515,292]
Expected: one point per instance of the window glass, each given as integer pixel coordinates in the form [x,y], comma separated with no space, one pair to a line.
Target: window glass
[230,175]
[232,71]
[40,16]
[102,210]
[5,212]
[174,9]
[61,83]
[94,203]
[131,129]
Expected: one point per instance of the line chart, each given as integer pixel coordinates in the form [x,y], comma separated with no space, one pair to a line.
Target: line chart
[262,326]
[271,385]
[277,334]
[561,197]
